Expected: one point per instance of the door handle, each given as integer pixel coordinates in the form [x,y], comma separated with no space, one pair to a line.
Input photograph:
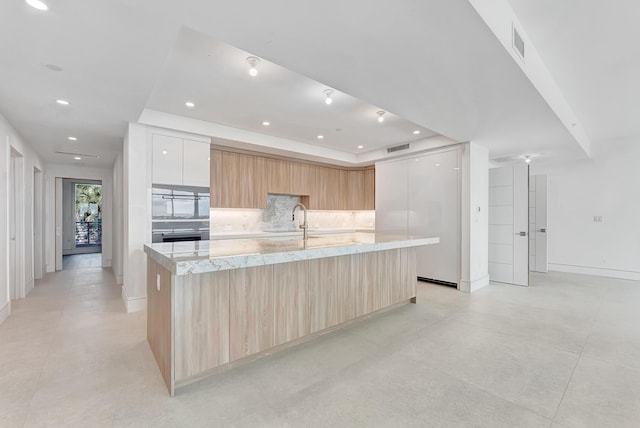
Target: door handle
[521,233]
[543,230]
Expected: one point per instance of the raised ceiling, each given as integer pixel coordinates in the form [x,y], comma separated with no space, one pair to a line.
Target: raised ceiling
[434,63]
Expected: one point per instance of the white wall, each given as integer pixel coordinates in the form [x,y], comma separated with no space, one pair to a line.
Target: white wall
[118,217]
[475,218]
[88,173]
[9,138]
[606,185]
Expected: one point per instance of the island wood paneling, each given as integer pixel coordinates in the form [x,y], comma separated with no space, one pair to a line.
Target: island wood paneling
[409,276]
[198,324]
[243,179]
[322,296]
[251,325]
[290,301]
[159,320]
[390,267]
[201,323]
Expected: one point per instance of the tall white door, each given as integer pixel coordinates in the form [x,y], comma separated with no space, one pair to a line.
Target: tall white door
[540,230]
[509,224]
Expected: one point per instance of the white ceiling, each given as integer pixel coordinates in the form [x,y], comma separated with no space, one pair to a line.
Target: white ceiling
[434,63]
[591,49]
[215,77]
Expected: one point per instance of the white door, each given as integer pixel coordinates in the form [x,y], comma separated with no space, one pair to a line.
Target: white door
[13,268]
[509,224]
[540,230]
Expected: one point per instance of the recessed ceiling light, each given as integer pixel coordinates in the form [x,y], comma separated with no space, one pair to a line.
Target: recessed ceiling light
[380,116]
[328,93]
[361,147]
[77,158]
[164,152]
[73,139]
[253,61]
[437,164]
[40,5]
[62,102]
[416,132]
[190,104]
[456,168]
[320,137]
[266,123]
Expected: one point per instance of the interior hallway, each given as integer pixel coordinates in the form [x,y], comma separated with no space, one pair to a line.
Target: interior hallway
[564,352]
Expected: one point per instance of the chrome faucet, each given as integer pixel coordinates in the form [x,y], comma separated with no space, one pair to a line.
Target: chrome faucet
[304,226]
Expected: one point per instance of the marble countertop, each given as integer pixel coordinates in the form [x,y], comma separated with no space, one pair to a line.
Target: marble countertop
[193,257]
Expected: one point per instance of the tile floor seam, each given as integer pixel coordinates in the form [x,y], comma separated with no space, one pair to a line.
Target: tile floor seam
[593,321]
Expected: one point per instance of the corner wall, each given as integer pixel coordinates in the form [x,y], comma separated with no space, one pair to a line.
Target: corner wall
[10,138]
[607,186]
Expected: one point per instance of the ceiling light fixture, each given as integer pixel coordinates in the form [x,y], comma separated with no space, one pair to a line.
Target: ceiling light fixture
[380,116]
[265,123]
[437,164]
[190,104]
[77,158]
[328,93]
[37,4]
[164,152]
[320,137]
[62,102]
[527,159]
[361,147]
[73,139]
[253,61]
[416,132]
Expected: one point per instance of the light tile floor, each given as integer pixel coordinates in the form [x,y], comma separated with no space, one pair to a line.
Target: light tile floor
[564,352]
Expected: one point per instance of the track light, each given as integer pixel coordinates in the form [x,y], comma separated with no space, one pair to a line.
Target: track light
[328,93]
[527,159]
[381,116]
[253,61]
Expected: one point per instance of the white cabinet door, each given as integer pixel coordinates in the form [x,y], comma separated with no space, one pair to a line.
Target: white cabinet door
[166,160]
[195,163]
[391,197]
[433,201]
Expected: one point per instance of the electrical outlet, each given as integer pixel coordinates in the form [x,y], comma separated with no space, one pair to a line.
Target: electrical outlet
[598,219]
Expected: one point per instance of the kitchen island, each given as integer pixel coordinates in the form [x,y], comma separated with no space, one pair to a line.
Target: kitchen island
[213,305]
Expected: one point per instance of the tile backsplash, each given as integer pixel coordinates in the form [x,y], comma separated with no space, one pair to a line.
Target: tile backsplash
[276,217]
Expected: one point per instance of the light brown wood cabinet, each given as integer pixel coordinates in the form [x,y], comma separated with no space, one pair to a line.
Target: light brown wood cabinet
[243,180]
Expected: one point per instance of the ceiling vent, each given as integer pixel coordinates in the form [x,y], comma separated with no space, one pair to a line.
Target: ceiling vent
[518,43]
[398,148]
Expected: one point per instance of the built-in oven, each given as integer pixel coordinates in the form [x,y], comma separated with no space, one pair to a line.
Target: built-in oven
[179,213]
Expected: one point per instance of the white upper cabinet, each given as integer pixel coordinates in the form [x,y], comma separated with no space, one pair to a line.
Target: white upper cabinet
[195,163]
[180,162]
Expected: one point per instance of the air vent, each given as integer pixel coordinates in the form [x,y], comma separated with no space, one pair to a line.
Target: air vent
[397,148]
[518,43]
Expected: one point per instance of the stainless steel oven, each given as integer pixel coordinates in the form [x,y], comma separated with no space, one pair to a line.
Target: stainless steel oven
[179,213]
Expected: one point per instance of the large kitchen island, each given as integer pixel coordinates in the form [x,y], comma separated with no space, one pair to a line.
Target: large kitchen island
[213,305]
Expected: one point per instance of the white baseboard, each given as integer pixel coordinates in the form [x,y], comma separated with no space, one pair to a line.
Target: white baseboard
[585,270]
[475,285]
[106,263]
[4,312]
[133,304]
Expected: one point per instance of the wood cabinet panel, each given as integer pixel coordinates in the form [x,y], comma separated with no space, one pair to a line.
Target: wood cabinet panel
[251,321]
[321,294]
[201,323]
[290,301]
[409,278]
[390,267]
[216,178]
[240,180]
[345,289]
[365,281]
[159,320]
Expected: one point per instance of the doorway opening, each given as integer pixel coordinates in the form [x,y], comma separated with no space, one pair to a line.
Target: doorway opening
[81,223]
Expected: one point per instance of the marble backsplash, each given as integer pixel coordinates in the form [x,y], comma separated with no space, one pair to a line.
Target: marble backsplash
[277,218]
